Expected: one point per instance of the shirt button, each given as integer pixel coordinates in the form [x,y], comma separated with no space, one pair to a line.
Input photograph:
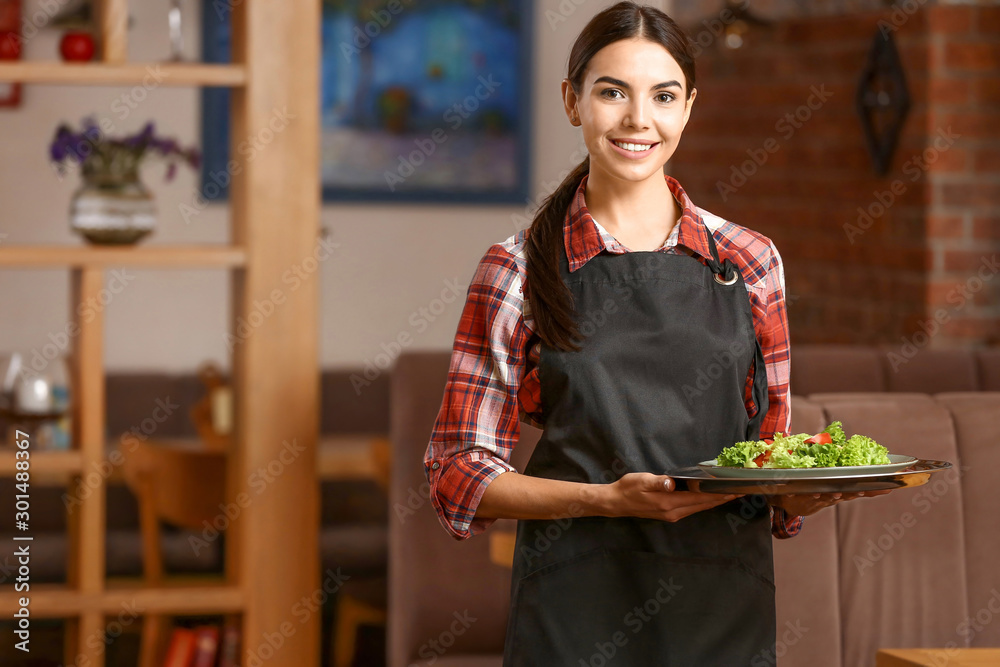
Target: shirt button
[435,465]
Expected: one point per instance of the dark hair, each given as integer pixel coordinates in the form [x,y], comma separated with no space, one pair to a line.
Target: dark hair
[551,300]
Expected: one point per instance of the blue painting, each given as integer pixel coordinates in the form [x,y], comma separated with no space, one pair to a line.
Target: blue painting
[423,100]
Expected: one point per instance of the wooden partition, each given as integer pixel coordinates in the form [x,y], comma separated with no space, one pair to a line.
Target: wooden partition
[272,550]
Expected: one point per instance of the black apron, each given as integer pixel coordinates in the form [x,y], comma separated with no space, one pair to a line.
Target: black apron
[658,384]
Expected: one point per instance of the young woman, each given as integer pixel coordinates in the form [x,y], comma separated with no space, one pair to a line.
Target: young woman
[641,333]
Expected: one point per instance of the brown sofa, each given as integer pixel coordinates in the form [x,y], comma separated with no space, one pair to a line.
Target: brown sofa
[903,570]
[895,368]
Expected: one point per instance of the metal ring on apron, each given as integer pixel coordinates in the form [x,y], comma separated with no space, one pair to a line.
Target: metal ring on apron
[725,281]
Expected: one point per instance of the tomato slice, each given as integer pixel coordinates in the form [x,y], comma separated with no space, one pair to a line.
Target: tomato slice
[762,459]
[820,439]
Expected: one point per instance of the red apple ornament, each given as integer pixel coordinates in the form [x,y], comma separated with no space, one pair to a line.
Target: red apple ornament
[77,46]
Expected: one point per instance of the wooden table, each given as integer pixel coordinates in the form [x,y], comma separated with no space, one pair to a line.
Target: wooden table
[502,547]
[938,657]
[342,457]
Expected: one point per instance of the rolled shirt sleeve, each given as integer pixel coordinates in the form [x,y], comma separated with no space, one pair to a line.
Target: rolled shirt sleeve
[478,425]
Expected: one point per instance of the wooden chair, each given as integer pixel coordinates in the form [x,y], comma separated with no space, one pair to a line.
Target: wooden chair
[362,602]
[181,483]
[214,409]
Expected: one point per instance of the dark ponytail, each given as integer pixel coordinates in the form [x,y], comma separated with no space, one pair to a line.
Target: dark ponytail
[551,301]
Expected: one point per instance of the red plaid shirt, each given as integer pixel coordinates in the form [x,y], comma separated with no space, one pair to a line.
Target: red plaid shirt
[493,381]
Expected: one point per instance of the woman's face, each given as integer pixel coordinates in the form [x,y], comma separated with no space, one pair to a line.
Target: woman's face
[633,92]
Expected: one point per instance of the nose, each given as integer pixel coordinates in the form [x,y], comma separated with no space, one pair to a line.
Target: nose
[636,116]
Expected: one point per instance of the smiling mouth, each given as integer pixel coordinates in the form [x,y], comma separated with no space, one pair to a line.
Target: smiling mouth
[634,147]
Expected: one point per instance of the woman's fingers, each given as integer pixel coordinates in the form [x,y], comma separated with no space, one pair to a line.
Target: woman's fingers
[693,503]
[696,498]
[687,510]
[655,496]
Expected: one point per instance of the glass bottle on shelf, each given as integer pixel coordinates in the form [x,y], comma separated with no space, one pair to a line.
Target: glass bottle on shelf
[35,398]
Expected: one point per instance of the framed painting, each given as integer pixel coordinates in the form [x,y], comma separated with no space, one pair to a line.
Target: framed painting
[421,100]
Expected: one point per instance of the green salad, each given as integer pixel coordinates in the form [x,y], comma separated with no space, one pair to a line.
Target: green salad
[828,448]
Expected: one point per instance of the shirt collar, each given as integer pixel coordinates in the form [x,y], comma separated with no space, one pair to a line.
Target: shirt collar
[584,240]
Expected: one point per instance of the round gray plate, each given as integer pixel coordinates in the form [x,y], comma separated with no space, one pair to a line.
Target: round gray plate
[896,463]
[694,478]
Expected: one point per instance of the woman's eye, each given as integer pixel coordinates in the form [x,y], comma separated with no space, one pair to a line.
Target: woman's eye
[607,92]
[665,97]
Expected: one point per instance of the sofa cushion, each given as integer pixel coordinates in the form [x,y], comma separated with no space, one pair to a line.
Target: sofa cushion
[902,555]
[875,397]
[977,423]
[988,360]
[834,368]
[930,370]
[807,415]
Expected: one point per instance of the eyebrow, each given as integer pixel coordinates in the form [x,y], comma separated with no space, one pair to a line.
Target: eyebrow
[621,84]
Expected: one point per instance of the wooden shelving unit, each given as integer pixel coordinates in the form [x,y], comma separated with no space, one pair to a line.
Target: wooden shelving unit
[151,256]
[51,465]
[166,74]
[272,557]
[59,601]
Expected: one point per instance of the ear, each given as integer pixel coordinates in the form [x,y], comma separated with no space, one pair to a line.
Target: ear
[570,99]
[688,105]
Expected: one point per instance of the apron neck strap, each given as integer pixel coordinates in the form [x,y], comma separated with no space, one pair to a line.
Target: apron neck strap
[713,263]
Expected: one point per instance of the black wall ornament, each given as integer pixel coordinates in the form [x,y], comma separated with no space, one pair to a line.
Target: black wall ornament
[882,100]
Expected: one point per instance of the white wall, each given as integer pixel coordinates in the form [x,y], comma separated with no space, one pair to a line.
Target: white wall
[392,260]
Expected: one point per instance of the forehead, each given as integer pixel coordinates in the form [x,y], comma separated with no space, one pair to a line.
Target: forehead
[639,62]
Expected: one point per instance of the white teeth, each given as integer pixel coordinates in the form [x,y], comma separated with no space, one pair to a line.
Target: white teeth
[635,148]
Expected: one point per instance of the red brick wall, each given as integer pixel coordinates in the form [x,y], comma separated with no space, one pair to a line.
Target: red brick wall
[775,143]
[963,218]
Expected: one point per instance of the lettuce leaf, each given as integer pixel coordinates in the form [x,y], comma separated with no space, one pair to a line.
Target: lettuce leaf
[836,431]
[826,456]
[861,450]
[781,458]
[738,455]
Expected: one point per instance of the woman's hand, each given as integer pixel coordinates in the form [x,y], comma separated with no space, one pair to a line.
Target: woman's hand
[804,504]
[649,496]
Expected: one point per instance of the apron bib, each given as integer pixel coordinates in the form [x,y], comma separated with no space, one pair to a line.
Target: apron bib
[658,384]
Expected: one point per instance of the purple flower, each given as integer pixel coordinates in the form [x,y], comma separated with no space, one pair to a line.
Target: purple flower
[90,125]
[91,146]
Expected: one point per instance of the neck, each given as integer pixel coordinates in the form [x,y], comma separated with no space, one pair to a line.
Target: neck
[632,207]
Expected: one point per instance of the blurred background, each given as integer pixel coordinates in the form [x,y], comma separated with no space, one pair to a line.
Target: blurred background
[861,136]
